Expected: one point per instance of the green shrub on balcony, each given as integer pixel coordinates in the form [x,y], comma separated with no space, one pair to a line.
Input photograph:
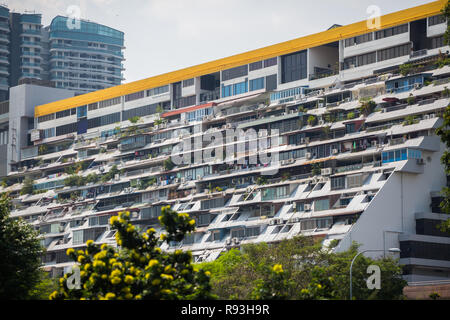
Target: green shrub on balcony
[367,107]
[351,115]
[312,121]
[27,188]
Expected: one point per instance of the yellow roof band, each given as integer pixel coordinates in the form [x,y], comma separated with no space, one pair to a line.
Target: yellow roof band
[314,40]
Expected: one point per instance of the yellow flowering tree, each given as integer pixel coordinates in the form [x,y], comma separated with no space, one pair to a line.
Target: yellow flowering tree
[273,287]
[138,268]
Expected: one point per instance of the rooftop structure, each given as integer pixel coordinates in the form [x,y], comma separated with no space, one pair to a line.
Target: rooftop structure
[331,136]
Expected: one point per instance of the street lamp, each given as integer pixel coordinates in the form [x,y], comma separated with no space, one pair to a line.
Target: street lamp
[392,250]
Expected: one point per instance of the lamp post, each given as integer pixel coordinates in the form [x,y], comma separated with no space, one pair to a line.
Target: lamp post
[392,250]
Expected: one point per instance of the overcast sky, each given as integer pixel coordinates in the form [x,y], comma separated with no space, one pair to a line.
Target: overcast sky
[167,35]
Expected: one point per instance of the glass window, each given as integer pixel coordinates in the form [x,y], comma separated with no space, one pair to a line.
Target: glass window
[226,91]
[320,205]
[257,84]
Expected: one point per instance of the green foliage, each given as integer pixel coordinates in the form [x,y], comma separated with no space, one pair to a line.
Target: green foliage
[367,107]
[315,169]
[411,100]
[351,115]
[406,69]
[298,268]
[20,256]
[446,13]
[302,109]
[145,183]
[110,174]
[409,120]
[134,119]
[42,149]
[261,181]
[444,132]
[74,181]
[45,286]
[312,120]
[138,269]
[27,188]
[168,164]
[159,109]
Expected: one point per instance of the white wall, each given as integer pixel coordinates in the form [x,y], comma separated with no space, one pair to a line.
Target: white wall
[395,205]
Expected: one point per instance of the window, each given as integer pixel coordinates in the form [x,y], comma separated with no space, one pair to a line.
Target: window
[436,20]
[437,42]
[82,112]
[255,66]
[188,83]
[358,40]
[204,219]
[66,129]
[48,133]
[270,62]
[47,117]
[104,120]
[157,91]
[234,73]
[77,237]
[240,88]
[293,67]
[213,203]
[257,84]
[109,102]
[62,114]
[226,91]
[394,52]
[337,183]
[354,181]
[320,205]
[93,106]
[134,96]
[391,31]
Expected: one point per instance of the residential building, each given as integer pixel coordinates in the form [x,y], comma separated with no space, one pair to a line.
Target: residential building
[330,165]
[78,55]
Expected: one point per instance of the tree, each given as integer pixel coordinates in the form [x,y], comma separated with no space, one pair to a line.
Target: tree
[168,164]
[444,132]
[312,120]
[28,186]
[299,268]
[446,13]
[138,268]
[20,256]
[367,106]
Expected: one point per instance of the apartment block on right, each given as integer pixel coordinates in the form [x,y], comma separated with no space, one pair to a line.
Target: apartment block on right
[351,114]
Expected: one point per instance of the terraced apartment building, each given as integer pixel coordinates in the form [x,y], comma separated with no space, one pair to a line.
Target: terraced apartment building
[331,135]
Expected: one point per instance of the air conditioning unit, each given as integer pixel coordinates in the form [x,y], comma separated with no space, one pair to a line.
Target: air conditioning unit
[432,116]
[293,220]
[326,171]
[335,151]
[417,85]
[307,207]
[420,161]
[228,242]
[321,122]
[228,126]
[236,240]
[302,140]
[177,180]
[308,155]
[426,117]
[117,177]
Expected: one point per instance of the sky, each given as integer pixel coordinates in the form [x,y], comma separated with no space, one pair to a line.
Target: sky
[167,35]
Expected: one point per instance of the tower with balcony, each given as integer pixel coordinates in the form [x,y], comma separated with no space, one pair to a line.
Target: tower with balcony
[4,52]
[85,56]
